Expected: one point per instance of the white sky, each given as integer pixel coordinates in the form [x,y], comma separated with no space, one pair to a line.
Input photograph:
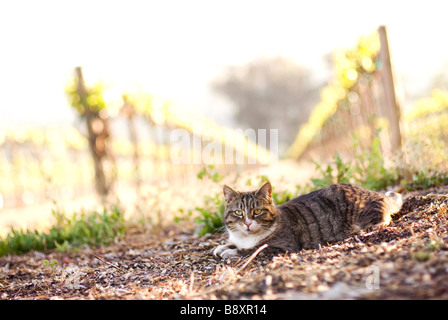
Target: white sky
[174,48]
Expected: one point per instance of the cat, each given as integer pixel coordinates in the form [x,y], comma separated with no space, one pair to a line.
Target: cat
[319,218]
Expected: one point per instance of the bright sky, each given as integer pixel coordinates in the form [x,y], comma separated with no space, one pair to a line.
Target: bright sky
[173,49]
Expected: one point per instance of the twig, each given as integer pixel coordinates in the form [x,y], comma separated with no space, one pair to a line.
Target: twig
[252,257]
[219,287]
[187,253]
[236,263]
[108,263]
[179,253]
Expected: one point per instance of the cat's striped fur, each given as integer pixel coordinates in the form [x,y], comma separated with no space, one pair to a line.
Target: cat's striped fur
[318,218]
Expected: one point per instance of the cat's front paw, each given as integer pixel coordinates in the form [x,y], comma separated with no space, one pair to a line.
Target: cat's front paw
[225,252]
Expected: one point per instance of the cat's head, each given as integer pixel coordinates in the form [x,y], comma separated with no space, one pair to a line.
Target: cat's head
[250,213]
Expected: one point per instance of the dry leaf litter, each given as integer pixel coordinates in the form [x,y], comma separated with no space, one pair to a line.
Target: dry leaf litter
[406,260]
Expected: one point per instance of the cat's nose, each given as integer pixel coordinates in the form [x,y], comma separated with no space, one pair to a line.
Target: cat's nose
[248,223]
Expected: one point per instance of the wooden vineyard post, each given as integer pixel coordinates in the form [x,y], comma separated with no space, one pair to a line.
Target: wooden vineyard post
[96,139]
[391,107]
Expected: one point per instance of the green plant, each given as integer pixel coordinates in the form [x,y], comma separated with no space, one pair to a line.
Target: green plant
[421,256]
[336,172]
[51,264]
[370,170]
[93,228]
[209,172]
[423,170]
[352,66]
[423,162]
[427,178]
[210,219]
[367,169]
[433,245]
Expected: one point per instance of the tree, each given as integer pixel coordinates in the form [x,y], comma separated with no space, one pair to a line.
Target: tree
[270,93]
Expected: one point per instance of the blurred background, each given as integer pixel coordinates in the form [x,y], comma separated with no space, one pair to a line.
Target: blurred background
[91,91]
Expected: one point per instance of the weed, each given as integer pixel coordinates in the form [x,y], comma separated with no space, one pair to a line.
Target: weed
[369,168]
[336,172]
[92,228]
[422,163]
[365,170]
[211,215]
[421,256]
[210,173]
[208,221]
[427,178]
[51,264]
[433,245]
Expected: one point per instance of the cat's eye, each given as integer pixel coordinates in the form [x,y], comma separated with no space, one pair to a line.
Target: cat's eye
[238,212]
[257,211]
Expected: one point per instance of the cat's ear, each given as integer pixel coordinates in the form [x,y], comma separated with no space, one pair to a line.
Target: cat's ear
[265,190]
[229,193]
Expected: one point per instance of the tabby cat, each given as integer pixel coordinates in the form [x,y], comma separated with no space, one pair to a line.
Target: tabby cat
[306,222]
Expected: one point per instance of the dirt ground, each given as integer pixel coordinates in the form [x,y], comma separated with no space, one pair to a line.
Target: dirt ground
[406,260]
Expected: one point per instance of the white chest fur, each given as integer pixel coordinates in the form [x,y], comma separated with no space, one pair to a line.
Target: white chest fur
[245,241]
